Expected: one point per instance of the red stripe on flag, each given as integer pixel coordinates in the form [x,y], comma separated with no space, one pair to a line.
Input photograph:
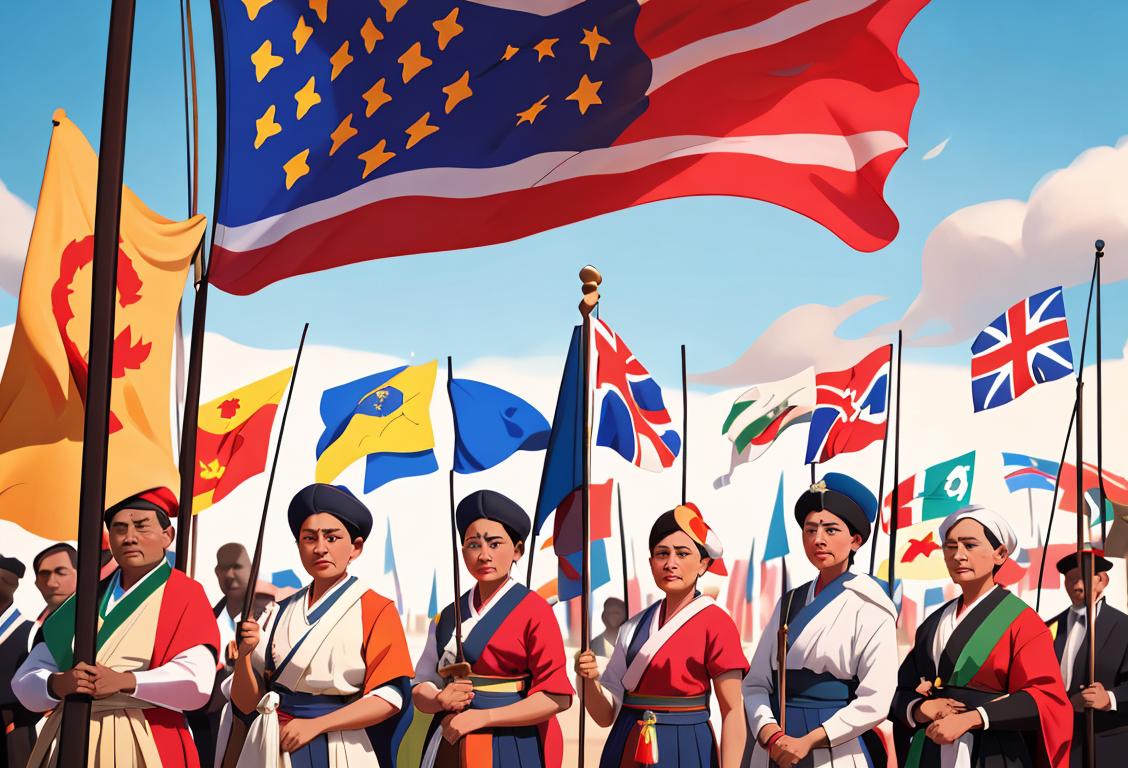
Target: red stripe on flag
[671,24]
[224,461]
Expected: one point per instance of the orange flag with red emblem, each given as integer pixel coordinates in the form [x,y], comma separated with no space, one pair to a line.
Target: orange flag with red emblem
[233,438]
[44,382]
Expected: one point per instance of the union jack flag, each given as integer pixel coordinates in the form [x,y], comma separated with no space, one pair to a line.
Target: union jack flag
[851,407]
[1026,345]
[633,420]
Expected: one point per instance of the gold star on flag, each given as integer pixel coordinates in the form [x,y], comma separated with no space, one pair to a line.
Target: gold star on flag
[307,97]
[296,167]
[586,94]
[592,39]
[530,114]
[448,28]
[321,8]
[374,158]
[510,52]
[301,34]
[413,62]
[340,60]
[342,133]
[254,6]
[370,34]
[265,127]
[420,130]
[264,60]
[544,47]
[391,8]
[458,91]
[375,98]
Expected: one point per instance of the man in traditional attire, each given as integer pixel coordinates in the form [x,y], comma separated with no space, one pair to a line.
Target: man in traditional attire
[157,650]
[18,734]
[333,675]
[1109,693]
[56,577]
[981,687]
[841,668]
[669,658]
[504,712]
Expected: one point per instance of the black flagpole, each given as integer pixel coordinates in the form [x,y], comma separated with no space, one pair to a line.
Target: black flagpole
[74,734]
[623,552]
[1083,561]
[454,542]
[685,429]
[1099,245]
[881,473]
[895,501]
[188,468]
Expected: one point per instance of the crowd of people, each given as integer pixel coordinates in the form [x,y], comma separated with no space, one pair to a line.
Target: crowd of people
[323,677]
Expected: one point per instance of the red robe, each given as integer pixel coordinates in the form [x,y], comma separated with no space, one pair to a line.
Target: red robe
[706,646]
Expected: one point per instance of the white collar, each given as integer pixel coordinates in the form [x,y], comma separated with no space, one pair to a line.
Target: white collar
[115,582]
[474,612]
[328,593]
[8,613]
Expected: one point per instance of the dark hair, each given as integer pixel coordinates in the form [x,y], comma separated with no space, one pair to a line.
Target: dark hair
[993,540]
[62,546]
[665,525]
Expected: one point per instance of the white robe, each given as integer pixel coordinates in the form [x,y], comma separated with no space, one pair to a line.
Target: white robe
[853,636]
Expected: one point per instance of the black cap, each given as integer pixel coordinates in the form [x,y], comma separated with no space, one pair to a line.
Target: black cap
[1100,563]
[335,500]
[12,565]
[491,505]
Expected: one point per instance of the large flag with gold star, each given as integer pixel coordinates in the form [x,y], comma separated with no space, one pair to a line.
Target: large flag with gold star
[43,390]
[233,437]
[355,131]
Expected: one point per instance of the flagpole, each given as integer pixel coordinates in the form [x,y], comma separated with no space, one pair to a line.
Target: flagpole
[1083,560]
[589,276]
[1034,534]
[456,571]
[895,501]
[1099,246]
[73,739]
[685,429]
[623,552]
[881,473]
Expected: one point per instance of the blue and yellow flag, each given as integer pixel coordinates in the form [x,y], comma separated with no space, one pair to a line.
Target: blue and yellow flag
[386,418]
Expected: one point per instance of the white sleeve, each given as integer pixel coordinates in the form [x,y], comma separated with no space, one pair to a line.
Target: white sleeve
[388,693]
[760,680]
[269,618]
[876,654]
[611,679]
[183,684]
[427,670]
[29,684]
[1111,701]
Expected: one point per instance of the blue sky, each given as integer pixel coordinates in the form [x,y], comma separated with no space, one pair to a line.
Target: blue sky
[1021,88]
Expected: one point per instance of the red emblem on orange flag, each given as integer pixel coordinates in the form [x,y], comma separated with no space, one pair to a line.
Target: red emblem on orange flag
[918,547]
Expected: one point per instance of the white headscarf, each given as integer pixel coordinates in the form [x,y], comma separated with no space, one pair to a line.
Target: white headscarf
[989,519]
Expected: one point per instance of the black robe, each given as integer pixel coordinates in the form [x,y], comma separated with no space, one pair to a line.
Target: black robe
[1111,728]
[17,735]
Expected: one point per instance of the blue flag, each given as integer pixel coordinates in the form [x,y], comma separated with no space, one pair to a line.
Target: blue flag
[390,566]
[491,424]
[286,578]
[750,580]
[563,464]
[777,533]
[568,574]
[433,603]
[933,596]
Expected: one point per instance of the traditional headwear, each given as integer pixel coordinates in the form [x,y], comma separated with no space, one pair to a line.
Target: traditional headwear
[842,496]
[335,500]
[993,523]
[160,500]
[12,565]
[491,505]
[1100,563]
[688,519]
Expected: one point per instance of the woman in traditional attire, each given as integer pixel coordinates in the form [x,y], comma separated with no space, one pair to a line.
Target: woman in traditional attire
[333,675]
[841,668]
[981,687]
[655,691]
[499,708]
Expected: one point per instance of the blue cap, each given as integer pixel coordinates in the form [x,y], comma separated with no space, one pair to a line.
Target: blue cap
[842,496]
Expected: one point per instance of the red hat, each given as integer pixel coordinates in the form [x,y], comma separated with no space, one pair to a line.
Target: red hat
[160,500]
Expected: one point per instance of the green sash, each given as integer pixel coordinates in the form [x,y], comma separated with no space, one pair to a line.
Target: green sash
[58,629]
[972,657]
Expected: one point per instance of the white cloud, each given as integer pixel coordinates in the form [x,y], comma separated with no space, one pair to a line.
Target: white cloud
[801,337]
[16,218]
[982,258]
[935,151]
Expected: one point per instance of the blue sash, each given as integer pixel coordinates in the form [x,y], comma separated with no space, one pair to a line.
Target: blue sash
[315,754]
[474,644]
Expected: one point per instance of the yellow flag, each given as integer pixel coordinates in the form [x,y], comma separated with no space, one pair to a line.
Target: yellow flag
[920,554]
[44,382]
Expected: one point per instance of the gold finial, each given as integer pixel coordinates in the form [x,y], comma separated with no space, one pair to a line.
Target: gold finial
[819,487]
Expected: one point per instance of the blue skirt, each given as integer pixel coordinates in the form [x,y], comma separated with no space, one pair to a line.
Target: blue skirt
[518,747]
[814,698]
[685,740]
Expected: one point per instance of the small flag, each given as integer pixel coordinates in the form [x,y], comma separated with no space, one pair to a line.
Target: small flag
[233,438]
[776,545]
[1116,487]
[563,465]
[568,541]
[390,566]
[1026,345]
[1025,472]
[933,598]
[760,415]
[385,418]
[433,603]
[491,424]
[920,554]
[851,407]
[286,578]
[750,580]
[934,493]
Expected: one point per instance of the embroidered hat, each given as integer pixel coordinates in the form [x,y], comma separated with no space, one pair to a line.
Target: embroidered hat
[688,519]
[842,496]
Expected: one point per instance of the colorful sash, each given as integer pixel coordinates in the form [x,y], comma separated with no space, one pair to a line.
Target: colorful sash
[957,672]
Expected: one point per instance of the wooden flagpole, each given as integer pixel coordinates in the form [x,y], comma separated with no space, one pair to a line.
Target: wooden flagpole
[881,472]
[623,553]
[895,501]
[685,429]
[74,736]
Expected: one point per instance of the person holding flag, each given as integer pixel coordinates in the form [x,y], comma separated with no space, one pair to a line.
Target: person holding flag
[841,657]
[500,708]
[654,693]
[332,678]
[981,686]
